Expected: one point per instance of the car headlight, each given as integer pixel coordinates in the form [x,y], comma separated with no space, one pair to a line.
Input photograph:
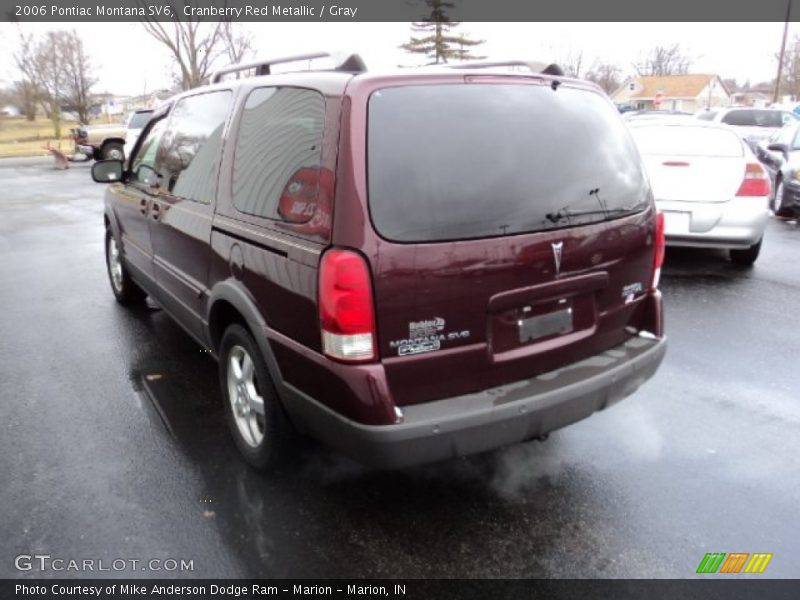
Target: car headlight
[796,175]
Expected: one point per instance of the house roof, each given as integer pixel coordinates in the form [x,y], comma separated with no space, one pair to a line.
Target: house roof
[673,86]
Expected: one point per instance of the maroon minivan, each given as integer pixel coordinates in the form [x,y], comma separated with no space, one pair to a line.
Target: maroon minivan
[408,266]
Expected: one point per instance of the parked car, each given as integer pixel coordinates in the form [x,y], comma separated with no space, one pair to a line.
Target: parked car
[408,266]
[100,142]
[134,124]
[752,124]
[655,114]
[713,191]
[780,155]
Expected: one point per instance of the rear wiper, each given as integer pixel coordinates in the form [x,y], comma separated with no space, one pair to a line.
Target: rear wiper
[567,213]
[563,212]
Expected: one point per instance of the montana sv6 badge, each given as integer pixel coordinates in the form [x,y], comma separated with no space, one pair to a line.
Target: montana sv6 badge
[426,336]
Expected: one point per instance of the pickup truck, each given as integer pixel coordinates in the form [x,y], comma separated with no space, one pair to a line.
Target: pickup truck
[104,142]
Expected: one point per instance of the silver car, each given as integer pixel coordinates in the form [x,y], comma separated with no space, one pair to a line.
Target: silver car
[752,124]
[713,191]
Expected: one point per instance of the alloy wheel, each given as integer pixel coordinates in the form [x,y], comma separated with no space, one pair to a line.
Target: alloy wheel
[247,404]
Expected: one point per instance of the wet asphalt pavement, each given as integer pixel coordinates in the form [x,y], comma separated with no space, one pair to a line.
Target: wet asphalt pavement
[113,445]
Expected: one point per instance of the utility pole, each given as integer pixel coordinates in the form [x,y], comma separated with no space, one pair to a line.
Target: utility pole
[783,52]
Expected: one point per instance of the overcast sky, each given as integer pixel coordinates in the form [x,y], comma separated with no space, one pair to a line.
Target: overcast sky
[128,61]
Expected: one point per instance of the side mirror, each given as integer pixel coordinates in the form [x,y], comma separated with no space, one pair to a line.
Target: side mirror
[107,171]
[782,148]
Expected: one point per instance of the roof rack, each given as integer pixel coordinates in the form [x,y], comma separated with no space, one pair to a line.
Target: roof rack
[534,66]
[352,64]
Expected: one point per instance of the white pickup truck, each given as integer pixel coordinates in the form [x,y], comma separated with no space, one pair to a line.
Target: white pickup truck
[114,141]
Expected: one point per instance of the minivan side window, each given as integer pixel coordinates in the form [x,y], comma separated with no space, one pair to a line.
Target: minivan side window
[191,148]
[277,158]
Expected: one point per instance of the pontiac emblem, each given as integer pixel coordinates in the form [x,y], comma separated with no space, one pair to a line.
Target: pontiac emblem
[557,248]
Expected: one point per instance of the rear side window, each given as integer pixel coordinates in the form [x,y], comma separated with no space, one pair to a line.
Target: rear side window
[139,119]
[754,118]
[687,141]
[448,162]
[191,148]
[276,167]
[743,118]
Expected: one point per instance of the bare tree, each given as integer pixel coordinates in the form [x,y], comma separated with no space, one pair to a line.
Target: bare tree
[195,47]
[42,67]
[78,80]
[238,44]
[664,60]
[607,76]
[572,64]
[790,73]
[51,76]
[26,87]
[55,72]
[198,46]
[25,96]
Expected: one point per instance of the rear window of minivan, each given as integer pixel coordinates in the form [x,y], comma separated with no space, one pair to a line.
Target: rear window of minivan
[464,161]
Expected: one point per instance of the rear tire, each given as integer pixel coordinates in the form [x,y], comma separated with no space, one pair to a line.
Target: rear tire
[259,426]
[747,256]
[125,290]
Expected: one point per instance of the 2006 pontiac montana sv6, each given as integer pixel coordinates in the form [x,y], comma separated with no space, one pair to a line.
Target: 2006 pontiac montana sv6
[407,266]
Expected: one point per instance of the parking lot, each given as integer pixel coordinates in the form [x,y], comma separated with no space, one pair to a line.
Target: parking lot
[114,446]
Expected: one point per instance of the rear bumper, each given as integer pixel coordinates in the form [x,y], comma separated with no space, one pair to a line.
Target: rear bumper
[84,149]
[738,223]
[489,419]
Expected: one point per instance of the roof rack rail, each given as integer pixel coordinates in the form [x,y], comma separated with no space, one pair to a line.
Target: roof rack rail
[534,66]
[352,63]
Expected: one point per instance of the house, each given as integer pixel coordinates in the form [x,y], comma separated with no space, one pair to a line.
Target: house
[688,93]
[150,100]
[751,98]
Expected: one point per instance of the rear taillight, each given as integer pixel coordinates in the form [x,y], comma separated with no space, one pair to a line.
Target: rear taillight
[346,310]
[755,182]
[661,246]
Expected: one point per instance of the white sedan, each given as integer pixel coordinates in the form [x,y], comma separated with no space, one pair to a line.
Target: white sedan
[714,193]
